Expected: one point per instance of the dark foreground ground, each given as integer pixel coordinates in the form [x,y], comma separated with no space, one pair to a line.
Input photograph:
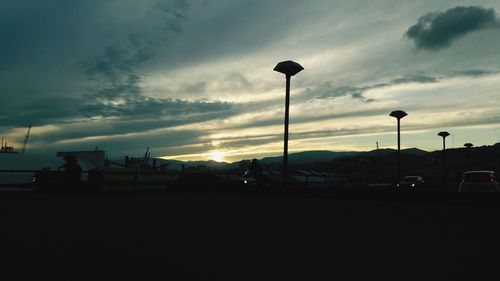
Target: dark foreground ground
[201,236]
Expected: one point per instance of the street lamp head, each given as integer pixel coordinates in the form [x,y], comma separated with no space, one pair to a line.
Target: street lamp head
[468,145]
[443,134]
[398,114]
[289,68]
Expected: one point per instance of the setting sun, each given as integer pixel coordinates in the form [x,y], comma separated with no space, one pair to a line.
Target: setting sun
[217,156]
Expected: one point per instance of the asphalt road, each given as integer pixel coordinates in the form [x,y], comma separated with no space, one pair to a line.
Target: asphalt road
[158,236]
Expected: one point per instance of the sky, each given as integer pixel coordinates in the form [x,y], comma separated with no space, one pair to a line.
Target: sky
[194,80]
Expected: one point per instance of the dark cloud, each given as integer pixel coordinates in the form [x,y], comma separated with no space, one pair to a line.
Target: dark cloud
[133,109]
[174,11]
[141,114]
[114,82]
[327,91]
[473,72]
[354,92]
[113,99]
[55,44]
[162,143]
[43,111]
[115,77]
[117,65]
[414,79]
[311,118]
[438,30]
[126,125]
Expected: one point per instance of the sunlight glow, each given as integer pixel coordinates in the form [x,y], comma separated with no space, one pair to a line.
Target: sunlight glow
[217,156]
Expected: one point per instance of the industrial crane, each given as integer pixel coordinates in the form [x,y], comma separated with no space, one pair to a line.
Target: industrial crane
[26,139]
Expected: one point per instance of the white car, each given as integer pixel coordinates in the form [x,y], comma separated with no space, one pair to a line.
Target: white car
[478,181]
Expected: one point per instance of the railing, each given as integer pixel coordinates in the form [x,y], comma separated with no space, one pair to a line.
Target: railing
[147,180]
[10,177]
[32,171]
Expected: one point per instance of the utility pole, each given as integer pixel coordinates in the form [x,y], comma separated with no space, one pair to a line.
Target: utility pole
[398,114]
[377,159]
[468,146]
[289,68]
[444,135]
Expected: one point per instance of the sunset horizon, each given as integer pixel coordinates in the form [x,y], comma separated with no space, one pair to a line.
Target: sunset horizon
[195,80]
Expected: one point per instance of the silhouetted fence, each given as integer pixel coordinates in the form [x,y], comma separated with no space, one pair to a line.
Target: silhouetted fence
[136,180]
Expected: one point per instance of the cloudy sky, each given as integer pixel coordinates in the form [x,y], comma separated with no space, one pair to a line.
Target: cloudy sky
[195,79]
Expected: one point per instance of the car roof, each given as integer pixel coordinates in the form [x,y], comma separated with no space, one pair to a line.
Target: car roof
[479,172]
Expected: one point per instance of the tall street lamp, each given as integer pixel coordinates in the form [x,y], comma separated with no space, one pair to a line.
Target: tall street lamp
[398,114]
[444,135]
[289,68]
[468,145]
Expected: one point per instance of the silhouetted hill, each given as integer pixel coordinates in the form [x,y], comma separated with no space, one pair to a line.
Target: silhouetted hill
[303,157]
[171,164]
[381,152]
[414,151]
[177,165]
[308,157]
[387,151]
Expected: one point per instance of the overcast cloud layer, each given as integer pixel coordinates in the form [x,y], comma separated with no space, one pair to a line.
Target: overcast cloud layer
[189,78]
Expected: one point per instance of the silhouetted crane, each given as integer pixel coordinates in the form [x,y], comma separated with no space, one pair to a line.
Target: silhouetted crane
[26,139]
[146,157]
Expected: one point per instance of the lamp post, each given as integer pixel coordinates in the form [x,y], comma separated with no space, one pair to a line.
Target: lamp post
[289,68]
[398,114]
[444,135]
[468,145]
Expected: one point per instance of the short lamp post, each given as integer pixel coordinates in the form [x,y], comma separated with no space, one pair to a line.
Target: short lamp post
[444,135]
[468,145]
[399,114]
[289,68]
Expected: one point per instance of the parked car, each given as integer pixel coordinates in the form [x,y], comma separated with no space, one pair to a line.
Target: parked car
[478,181]
[410,183]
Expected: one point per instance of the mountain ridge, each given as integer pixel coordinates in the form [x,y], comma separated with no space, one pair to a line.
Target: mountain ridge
[302,157]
